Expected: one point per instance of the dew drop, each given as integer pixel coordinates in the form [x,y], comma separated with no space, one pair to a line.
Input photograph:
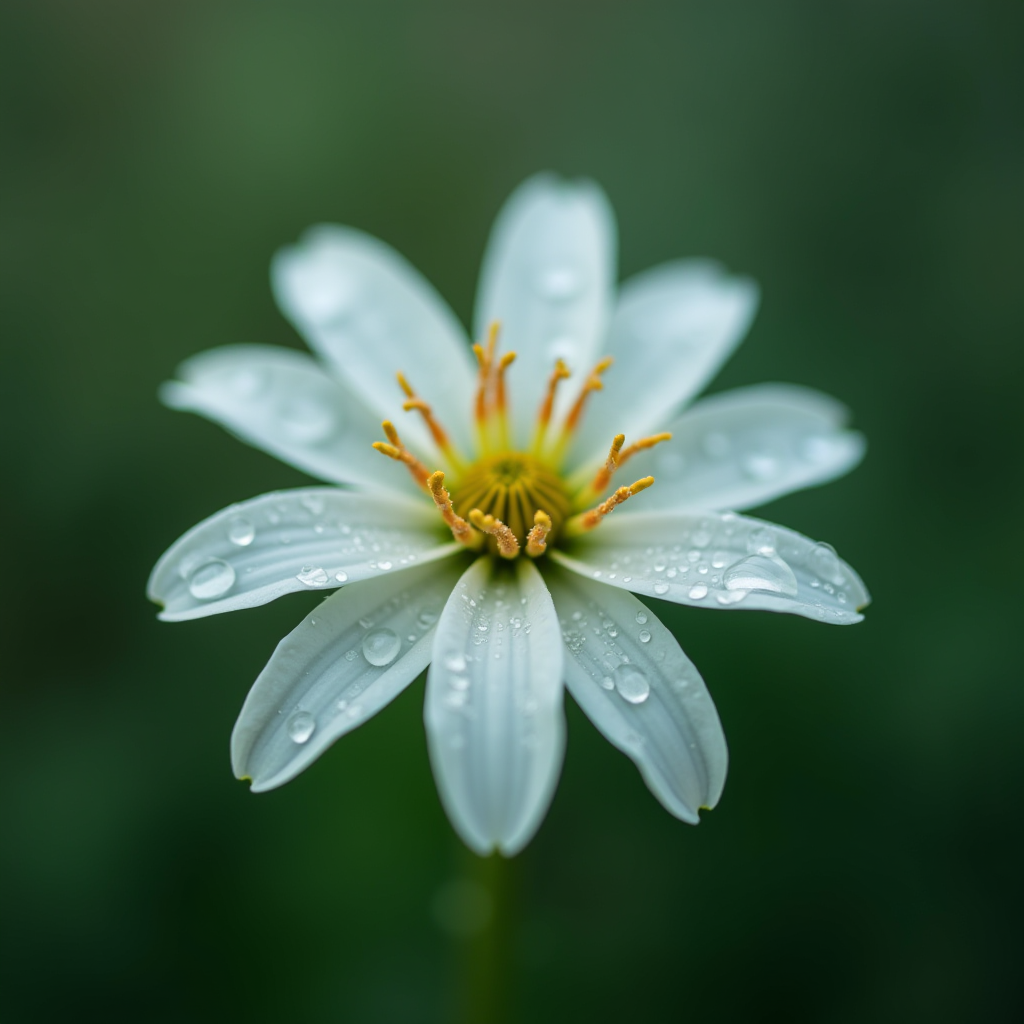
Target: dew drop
[698,590]
[455,662]
[645,636]
[759,466]
[661,588]
[384,566]
[341,576]
[631,684]
[212,579]
[761,572]
[607,683]
[459,682]
[313,576]
[727,597]
[301,726]
[641,617]
[381,646]
[241,531]
[761,542]
[427,618]
[826,563]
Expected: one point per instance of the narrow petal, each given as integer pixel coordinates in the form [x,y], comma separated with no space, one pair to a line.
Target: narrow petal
[672,329]
[547,277]
[742,448]
[720,560]
[633,681]
[287,541]
[355,653]
[284,403]
[370,314]
[494,715]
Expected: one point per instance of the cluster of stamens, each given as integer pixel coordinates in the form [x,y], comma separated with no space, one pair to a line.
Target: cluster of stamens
[512,500]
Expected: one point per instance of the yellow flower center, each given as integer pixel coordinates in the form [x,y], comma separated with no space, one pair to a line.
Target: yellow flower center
[513,500]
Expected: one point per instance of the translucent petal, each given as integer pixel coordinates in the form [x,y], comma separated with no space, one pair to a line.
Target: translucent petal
[355,653]
[494,715]
[742,448]
[369,313]
[672,329]
[630,676]
[288,541]
[284,403]
[548,276]
[719,560]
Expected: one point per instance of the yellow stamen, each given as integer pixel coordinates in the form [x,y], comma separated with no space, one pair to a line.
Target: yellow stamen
[605,473]
[560,373]
[572,421]
[508,546]
[586,521]
[500,396]
[617,458]
[537,538]
[439,434]
[486,382]
[397,451]
[461,530]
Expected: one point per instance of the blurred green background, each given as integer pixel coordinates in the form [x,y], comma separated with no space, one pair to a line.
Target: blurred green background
[863,160]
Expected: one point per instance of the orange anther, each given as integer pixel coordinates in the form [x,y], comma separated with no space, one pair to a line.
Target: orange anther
[461,530]
[397,451]
[537,538]
[508,546]
[586,521]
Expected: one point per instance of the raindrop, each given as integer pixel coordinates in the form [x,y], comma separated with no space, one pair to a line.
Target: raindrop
[427,618]
[641,617]
[661,588]
[701,539]
[761,572]
[559,283]
[459,682]
[607,683]
[760,467]
[307,420]
[241,531]
[698,590]
[381,646]
[761,542]
[213,578]
[341,576]
[312,576]
[826,563]
[645,636]
[631,684]
[301,726]
[384,566]
[727,597]
[455,662]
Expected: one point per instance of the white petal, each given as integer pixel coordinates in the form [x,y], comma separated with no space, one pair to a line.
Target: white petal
[283,402]
[743,448]
[494,714]
[287,541]
[634,682]
[355,653]
[370,314]
[719,560]
[547,277]
[672,329]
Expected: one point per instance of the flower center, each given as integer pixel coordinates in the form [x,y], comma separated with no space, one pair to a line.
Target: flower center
[507,499]
[513,487]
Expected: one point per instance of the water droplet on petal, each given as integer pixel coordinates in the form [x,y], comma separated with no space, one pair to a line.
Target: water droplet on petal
[427,618]
[761,572]
[761,542]
[307,419]
[645,636]
[455,662]
[381,646]
[341,577]
[698,590]
[241,531]
[559,283]
[631,684]
[759,466]
[825,563]
[301,726]
[212,579]
[641,617]
[312,576]
[661,588]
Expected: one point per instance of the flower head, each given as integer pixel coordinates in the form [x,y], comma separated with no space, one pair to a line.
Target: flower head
[499,504]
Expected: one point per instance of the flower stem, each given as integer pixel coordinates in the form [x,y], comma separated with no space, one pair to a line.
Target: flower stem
[486,956]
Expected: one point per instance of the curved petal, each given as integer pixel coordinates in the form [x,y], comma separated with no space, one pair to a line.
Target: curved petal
[283,402]
[355,653]
[672,329]
[494,715]
[720,560]
[742,448]
[369,313]
[633,681]
[287,541]
[547,277]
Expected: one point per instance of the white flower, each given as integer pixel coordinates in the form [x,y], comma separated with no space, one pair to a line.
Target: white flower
[505,572]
